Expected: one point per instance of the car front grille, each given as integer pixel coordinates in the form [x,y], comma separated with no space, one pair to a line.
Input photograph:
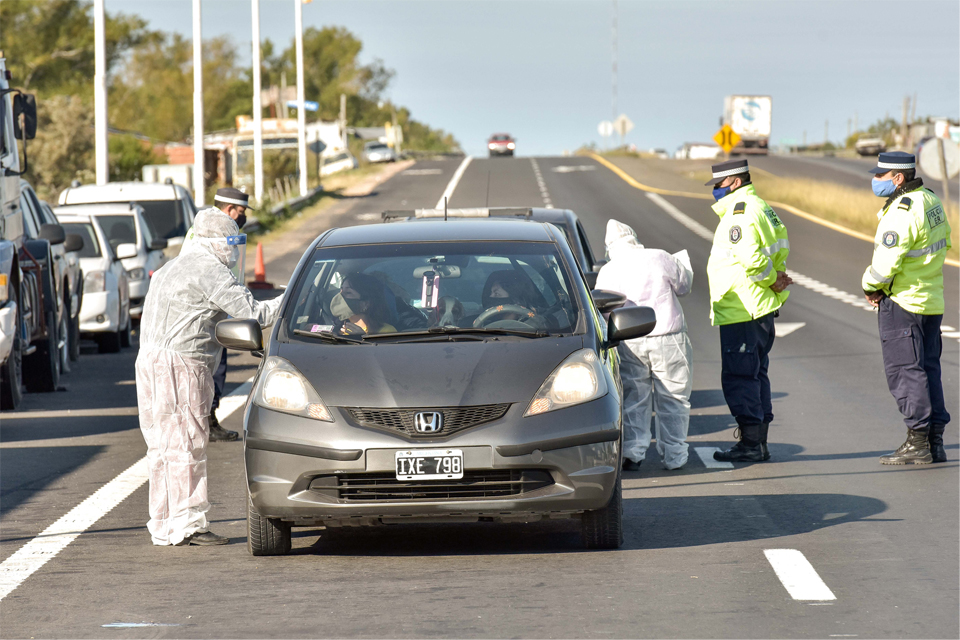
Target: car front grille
[454,419]
[383,486]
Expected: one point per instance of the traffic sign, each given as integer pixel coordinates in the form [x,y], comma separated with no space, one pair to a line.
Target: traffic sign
[727,138]
[605,129]
[622,125]
[930,158]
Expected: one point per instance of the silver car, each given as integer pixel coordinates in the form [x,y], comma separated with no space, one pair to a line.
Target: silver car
[436,372]
[378,152]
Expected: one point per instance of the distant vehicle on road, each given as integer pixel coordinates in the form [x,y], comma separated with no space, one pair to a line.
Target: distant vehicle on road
[124,223]
[375,151]
[105,312]
[870,146]
[337,162]
[482,385]
[168,208]
[564,219]
[501,144]
[750,117]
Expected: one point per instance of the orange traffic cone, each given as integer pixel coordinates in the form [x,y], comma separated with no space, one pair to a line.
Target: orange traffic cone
[259,272]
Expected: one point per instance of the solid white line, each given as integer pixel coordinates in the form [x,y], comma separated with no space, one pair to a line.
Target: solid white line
[55,538]
[448,192]
[706,457]
[786,328]
[681,217]
[798,576]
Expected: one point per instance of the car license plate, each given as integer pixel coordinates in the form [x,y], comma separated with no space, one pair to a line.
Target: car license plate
[430,464]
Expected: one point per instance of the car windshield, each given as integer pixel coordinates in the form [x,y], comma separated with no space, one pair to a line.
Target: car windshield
[164,217]
[375,145]
[91,248]
[520,288]
[501,138]
[119,229]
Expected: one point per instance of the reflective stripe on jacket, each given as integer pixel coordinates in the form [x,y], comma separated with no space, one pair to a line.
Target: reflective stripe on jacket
[750,246]
[909,249]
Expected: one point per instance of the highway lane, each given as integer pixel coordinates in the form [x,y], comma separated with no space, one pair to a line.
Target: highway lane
[693,564]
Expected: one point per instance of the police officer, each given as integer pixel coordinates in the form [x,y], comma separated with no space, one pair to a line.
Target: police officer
[905,282]
[747,274]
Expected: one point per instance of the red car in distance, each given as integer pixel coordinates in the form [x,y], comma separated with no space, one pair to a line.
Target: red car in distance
[501,144]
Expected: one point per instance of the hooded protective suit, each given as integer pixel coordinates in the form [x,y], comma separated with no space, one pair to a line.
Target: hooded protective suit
[178,351]
[656,369]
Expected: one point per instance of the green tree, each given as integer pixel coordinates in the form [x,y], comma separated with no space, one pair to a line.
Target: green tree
[63,150]
[128,155]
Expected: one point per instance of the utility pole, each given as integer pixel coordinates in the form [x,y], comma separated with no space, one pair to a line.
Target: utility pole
[301,110]
[826,131]
[257,108]
[397,135]
[199,185]
[904,143]
[856,122]
[849,122]
[100,94]
[343,118]
[613,115]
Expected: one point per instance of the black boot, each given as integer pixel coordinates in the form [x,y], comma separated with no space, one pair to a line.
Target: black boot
[218,433]
[764,428]
[936,443]
[747,450]
[203,539]
[915,449]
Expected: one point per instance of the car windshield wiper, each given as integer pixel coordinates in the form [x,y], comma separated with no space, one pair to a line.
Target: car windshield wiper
[475,332]
[329,337]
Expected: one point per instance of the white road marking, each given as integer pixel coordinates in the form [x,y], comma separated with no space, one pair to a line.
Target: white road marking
[798,278]
[570,168]
[786,328]
[26,560]
[547,203]
[798,576]
[422,172]
[454,181]
[369,217]
[706,456]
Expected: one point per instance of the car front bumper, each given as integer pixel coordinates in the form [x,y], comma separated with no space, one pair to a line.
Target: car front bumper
[577,451]
[100,312]
[8,329]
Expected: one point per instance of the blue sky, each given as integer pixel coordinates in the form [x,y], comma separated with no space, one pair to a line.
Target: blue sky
[541,69]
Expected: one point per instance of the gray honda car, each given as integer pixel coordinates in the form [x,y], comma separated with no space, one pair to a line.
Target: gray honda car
[436,372]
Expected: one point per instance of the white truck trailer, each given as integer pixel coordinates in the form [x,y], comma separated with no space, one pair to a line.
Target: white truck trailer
[749,117]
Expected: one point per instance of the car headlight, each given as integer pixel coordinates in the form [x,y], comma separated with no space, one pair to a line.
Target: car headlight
[137,274]
[95,282]
[578,379]
[283,388]
[511,145]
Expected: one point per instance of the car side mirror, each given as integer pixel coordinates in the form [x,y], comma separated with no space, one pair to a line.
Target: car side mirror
[591,278]
[52,233]
[630,323]
[126,250]
[607,301]
[158,244]
[243,335]
[25,104]
[73,242]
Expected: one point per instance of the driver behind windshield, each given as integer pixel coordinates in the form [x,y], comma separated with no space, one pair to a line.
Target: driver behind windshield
[509,287]
[361,306]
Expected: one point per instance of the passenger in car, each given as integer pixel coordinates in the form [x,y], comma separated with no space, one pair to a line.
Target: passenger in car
[361,305]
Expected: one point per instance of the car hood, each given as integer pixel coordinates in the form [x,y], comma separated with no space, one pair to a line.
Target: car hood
[433,374]
[95,264]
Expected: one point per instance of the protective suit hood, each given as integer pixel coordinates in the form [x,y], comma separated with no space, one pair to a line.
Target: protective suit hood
[619,237]
[212,228]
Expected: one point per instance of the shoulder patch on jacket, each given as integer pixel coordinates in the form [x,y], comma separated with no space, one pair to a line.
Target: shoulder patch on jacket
[890,239]
[735,234]
[740,207]
[905,203]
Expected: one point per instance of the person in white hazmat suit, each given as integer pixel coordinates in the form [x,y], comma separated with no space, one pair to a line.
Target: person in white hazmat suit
[174,372]
[656,369]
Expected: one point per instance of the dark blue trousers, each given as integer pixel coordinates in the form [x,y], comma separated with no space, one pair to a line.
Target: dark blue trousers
[219,380]
[911,346]
[745,358]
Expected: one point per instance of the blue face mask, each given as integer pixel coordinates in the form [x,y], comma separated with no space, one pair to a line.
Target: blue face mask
[720,192]
[883,188]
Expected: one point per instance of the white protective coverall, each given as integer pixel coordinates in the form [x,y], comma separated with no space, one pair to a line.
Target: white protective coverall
[656,369]
[174,371]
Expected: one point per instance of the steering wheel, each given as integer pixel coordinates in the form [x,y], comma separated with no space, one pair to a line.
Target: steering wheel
[493,314]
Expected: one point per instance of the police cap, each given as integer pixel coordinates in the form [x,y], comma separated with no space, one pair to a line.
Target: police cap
[894,160]
[728,168]
[229,195]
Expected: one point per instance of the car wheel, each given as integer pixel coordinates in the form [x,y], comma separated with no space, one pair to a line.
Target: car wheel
[125,334]
[603,528]
[41,370]
[74,332]
[266,536]
[64,335]
[11,375]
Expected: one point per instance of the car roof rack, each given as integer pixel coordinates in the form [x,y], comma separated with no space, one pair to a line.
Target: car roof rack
[480,212]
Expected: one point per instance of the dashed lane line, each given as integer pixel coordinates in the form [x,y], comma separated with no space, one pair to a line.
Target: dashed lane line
[26,560]
[798,576]
[454,181]
[547,202]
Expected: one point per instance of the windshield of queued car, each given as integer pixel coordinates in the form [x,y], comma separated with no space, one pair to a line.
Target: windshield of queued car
[507,287]
[500,138]
[119,229]
[164,217]
[91,248]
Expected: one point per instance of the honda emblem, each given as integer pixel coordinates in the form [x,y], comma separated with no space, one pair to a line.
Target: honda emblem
[428,422]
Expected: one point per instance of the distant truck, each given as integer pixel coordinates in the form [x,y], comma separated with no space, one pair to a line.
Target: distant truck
[749,117]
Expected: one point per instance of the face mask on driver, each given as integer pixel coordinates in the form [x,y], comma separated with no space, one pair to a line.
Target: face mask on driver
[343,308]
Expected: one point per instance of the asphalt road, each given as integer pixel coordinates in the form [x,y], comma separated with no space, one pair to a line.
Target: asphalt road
[884,540]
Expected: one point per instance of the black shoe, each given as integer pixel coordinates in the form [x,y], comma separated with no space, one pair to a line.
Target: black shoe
[218,433]
[204,539]
[630,465]
[741,452]
[935,439]
[764,451]
[764,429]
[915,449]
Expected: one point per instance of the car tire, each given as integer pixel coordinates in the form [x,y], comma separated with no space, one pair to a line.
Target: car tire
[74,332]
[603,528]
[41,370]
[64,334]
[11,375]
[266,536]
[125,334]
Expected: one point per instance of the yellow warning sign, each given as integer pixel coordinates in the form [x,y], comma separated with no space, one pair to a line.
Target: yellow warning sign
[727,138]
